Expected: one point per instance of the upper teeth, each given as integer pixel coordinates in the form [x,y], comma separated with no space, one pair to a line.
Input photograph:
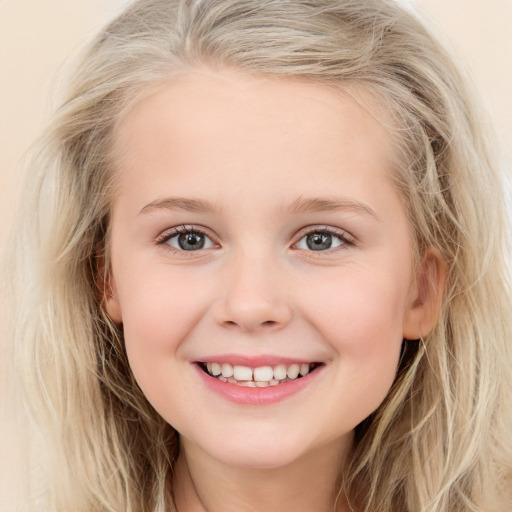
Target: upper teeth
[261,374]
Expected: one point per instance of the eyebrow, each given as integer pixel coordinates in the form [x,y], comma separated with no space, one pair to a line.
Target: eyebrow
[180,203]
[299,206]
[316,204]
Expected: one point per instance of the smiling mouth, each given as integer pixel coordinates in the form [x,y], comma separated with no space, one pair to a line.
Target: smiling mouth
[260,377]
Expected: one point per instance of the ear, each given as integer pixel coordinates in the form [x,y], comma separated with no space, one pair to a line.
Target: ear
[426,295]
[108,291]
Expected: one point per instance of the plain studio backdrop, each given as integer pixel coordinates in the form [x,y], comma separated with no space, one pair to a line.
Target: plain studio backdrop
[38,37]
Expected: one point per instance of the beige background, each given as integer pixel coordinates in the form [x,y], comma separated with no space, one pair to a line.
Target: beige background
[37,36]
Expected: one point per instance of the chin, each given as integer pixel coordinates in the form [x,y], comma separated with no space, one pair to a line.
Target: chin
[247,458]
[263,450]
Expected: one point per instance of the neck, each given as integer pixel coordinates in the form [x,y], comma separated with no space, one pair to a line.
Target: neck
[204,484]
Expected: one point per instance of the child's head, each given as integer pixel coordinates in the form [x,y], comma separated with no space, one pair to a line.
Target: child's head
[277,238]
[338,138]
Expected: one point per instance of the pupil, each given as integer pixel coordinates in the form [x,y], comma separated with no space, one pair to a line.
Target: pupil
[319,241]
[190,241]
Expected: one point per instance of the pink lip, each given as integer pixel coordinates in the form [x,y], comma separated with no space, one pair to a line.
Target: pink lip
[253,361]
[255,396]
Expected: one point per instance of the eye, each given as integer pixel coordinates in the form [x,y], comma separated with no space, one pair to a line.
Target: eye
[185,239]
[322,240]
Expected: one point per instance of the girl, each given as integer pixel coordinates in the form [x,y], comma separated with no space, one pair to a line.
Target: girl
[262,267]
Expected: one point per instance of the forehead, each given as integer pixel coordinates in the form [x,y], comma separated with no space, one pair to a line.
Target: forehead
[228,125]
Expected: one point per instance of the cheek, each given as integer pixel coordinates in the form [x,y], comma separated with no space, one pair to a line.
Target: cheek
[158,314]
[362,320]
[358,310]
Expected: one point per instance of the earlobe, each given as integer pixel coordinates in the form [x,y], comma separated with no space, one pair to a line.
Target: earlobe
[111,301]
[108,291]
[426,296]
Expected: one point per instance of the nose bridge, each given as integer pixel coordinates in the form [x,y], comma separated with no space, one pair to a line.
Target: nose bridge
[252,295]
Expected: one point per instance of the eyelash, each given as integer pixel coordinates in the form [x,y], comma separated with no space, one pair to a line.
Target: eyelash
[177,231]
[345,239]
[342,236]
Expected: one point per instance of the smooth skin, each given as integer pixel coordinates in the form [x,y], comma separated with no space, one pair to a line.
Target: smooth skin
[253,169]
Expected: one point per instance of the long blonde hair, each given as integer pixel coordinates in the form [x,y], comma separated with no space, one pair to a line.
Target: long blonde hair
[441,439]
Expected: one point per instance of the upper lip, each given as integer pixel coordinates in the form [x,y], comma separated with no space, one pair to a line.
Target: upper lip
[254,361]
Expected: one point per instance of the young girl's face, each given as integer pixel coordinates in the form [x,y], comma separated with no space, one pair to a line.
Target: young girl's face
[257,230]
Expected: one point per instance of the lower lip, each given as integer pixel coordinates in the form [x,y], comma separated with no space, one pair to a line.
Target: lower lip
[243,395]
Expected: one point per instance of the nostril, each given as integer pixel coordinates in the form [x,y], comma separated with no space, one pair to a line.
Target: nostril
[266,323]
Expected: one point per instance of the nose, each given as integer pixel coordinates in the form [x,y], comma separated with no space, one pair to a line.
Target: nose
[252,297]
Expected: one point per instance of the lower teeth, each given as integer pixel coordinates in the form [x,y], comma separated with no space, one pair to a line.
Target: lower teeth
[252,383]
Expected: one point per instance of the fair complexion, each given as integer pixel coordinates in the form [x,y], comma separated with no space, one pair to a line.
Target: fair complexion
[256,225]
